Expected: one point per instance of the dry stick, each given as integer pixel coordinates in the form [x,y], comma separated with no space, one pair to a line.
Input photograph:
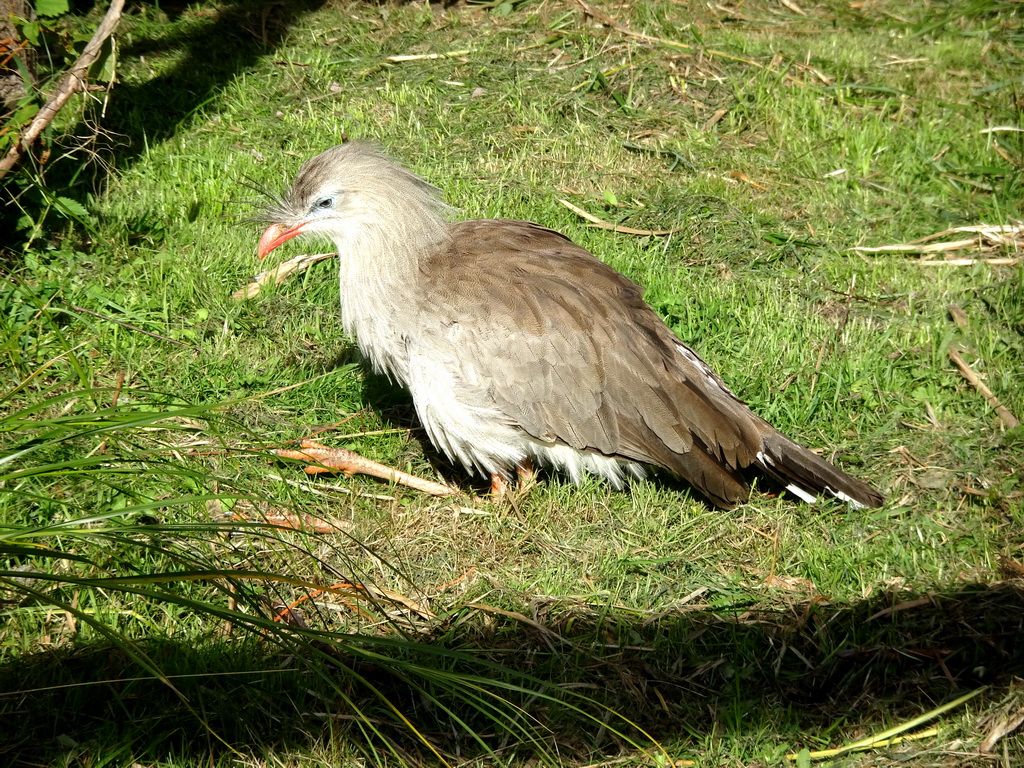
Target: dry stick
[983,229]
[965,370]
[73,82]
[350,463]
[427,56]
[117,390]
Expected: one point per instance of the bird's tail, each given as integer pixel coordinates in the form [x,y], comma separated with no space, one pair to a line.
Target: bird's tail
[805,474]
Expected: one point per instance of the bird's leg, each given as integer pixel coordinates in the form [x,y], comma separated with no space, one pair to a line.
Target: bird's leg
[324,459]
[525,479]
[499,486]
[526,474]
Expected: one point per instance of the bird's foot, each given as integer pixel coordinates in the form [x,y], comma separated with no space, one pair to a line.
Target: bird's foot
[526,478]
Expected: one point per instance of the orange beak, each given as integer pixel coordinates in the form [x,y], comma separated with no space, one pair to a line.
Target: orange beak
[276,234]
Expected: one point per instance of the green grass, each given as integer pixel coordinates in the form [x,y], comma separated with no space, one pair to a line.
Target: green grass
[137,493]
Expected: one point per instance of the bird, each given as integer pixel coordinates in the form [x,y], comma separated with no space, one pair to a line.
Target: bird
[520,347]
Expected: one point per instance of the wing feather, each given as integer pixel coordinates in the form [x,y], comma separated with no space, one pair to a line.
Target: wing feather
[573,355]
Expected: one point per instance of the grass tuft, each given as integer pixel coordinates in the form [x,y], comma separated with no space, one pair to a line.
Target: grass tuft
[174,594]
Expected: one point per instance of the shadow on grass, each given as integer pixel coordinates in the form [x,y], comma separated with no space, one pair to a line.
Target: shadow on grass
[213,48]
[212,55]
[786,670]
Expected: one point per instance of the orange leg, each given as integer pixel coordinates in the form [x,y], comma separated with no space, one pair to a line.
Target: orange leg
[525,478]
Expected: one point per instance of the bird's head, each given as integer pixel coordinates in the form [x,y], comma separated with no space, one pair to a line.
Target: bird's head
[343,190]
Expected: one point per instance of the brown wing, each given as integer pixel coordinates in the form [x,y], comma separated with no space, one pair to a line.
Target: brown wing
[570,353]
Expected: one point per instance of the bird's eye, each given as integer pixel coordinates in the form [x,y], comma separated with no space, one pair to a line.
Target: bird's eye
[324,202]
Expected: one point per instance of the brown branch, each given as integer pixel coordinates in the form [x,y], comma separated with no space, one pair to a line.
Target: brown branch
[73,82]
[968,373]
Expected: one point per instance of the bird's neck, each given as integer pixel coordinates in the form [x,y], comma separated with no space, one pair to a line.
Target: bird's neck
[379,278]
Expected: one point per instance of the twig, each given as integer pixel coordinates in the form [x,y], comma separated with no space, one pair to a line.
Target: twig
[965,370]
[324,459]
[955,245]
[129,326]
[280,273]
[73,82]
[13,47]
[117,390]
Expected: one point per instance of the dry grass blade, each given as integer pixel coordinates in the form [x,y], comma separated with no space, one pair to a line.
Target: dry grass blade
[610,21]
[602,224]
[824,754]
[546,632]
[427,56]
[280,273]
[888,737]
[984,238]
[1003,728]
[1007,718]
